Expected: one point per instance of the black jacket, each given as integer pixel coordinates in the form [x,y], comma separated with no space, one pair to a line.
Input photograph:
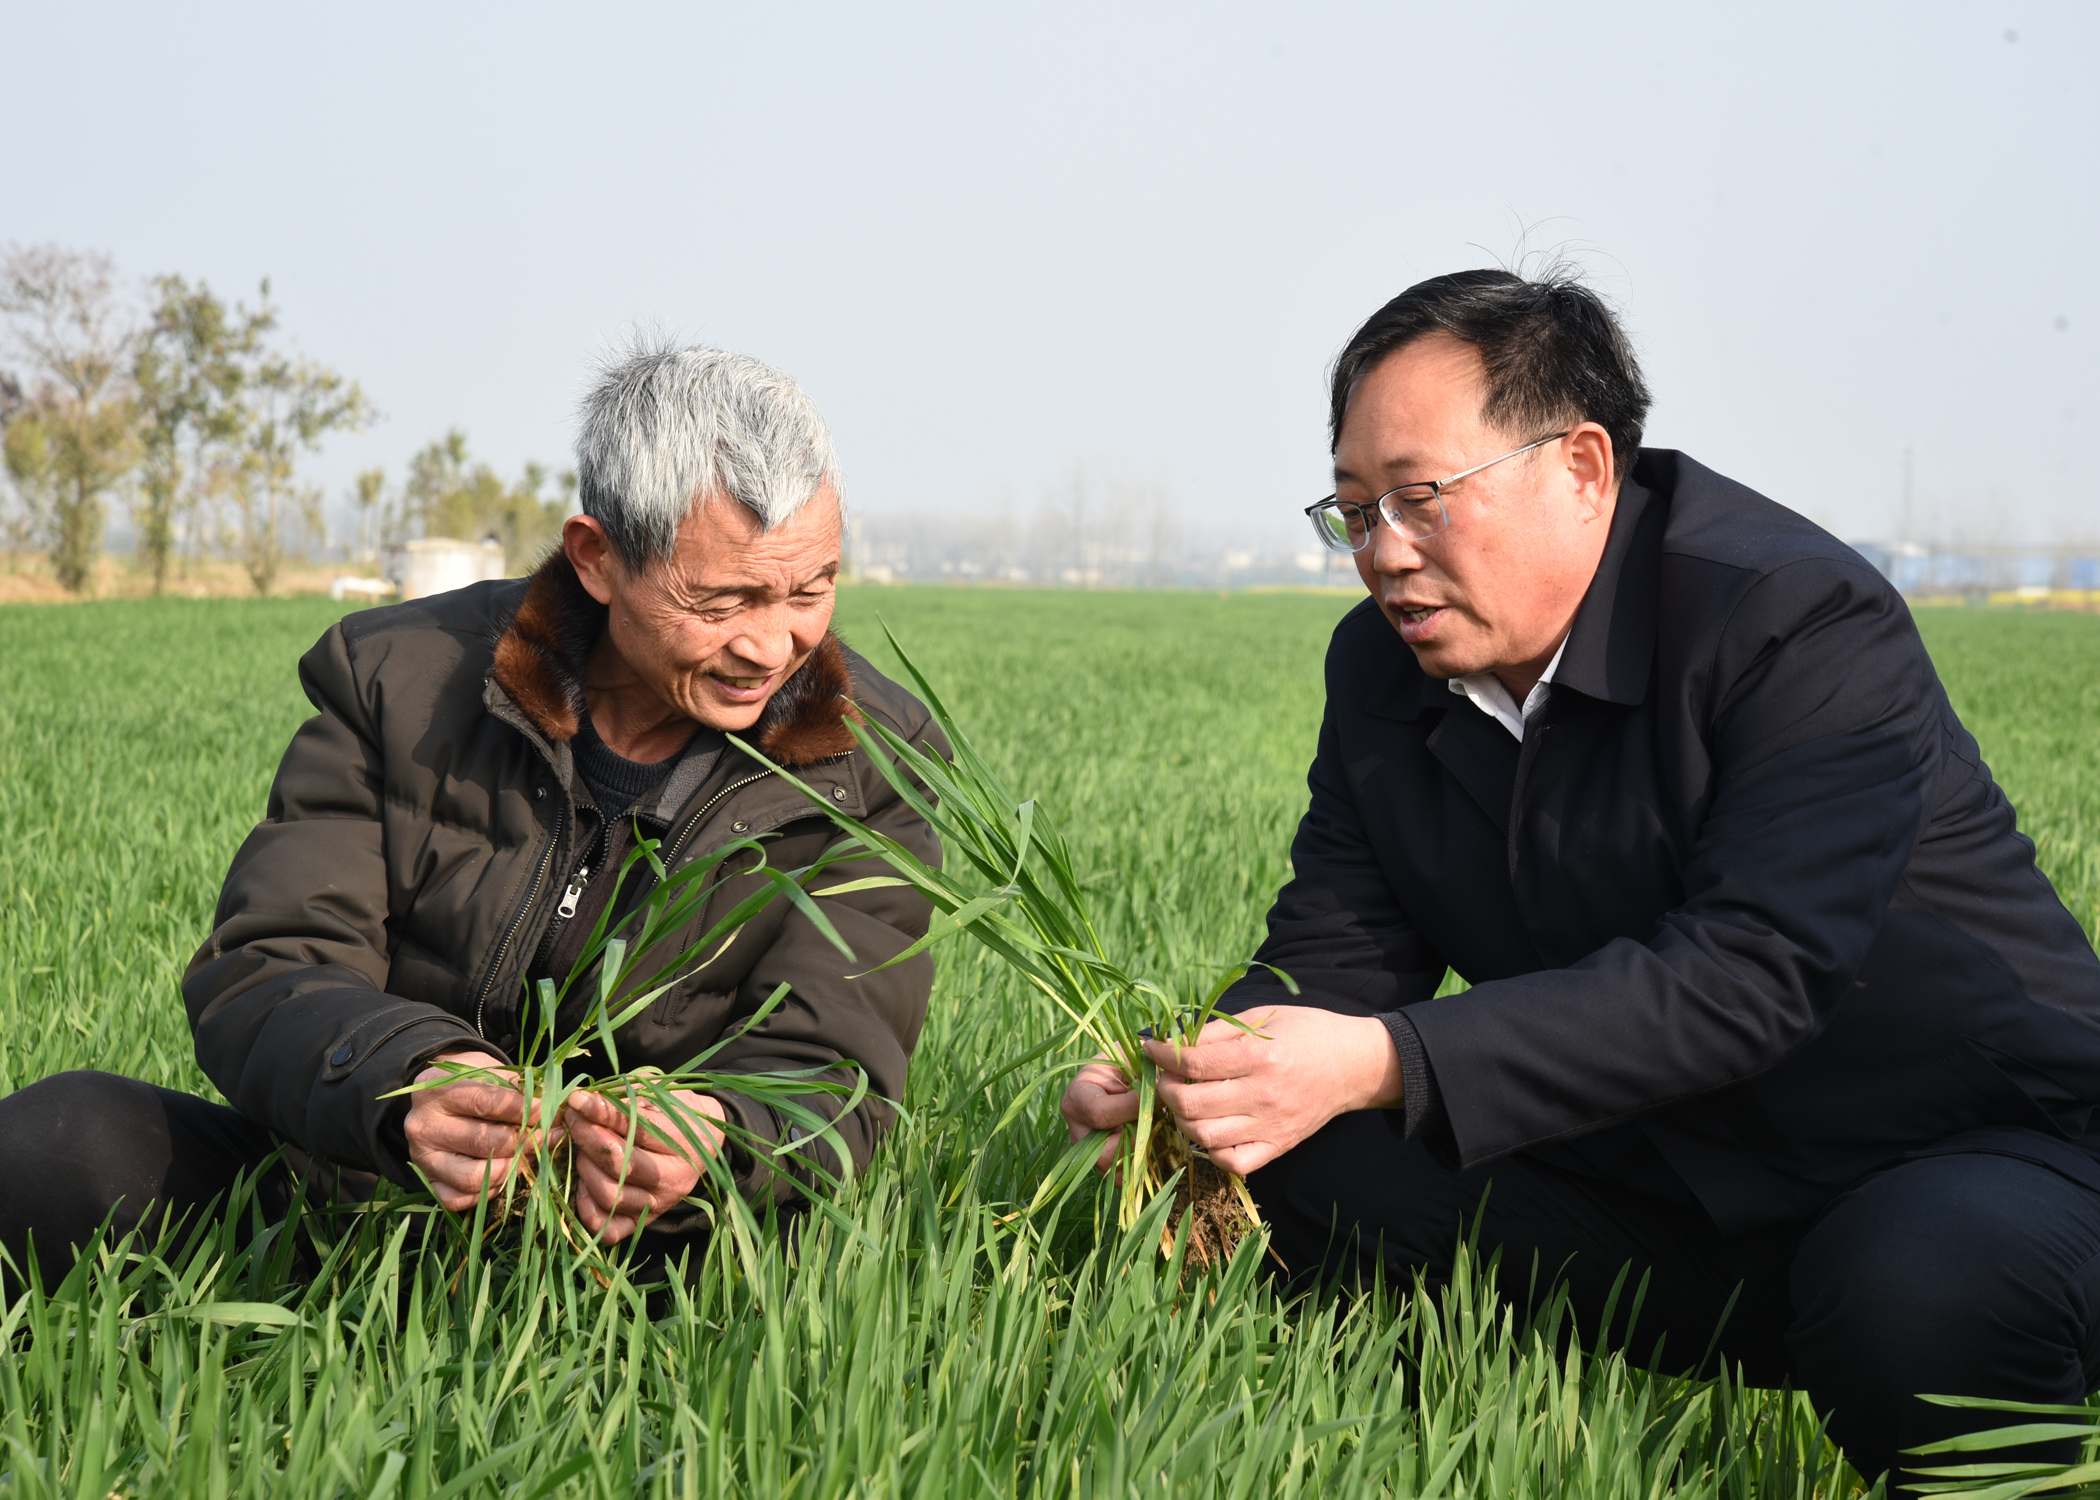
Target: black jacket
[1745,897]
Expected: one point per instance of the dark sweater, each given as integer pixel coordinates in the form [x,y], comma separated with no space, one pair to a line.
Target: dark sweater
[615,782]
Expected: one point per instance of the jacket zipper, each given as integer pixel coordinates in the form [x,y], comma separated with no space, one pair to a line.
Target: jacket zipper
[532,894]
[600,852]
[693,822]
[573,894]
[580,881]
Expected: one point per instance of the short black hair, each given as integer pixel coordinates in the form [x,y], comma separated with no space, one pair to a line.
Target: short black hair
[1554,353]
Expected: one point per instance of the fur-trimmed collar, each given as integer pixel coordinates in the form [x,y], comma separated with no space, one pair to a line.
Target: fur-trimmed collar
[540,663]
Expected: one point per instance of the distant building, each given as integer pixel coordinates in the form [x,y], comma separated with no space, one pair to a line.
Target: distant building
[1996,571]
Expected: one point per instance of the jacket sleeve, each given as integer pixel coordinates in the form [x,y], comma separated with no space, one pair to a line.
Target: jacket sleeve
[1336,927]
[1823,719]
[829,1018]
[287,998]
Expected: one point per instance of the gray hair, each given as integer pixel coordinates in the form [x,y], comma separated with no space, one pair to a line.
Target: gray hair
[664,429]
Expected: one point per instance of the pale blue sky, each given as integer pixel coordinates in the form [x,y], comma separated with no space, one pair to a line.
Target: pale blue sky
[993,240]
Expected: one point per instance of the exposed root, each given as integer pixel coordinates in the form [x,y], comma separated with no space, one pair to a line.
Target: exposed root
[540,1158]
[1216,1203]
[545,1167]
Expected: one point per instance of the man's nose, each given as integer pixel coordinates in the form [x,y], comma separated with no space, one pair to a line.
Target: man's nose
[765,651]
[1391,552]
[765,642]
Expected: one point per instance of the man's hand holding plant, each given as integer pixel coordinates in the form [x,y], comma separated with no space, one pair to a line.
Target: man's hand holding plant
[1249,1095]
[465,1136]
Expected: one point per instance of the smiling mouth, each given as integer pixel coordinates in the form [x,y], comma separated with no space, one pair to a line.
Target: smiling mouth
[746,684]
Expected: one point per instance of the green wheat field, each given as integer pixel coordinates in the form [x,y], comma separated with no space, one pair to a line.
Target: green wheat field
[931,1340]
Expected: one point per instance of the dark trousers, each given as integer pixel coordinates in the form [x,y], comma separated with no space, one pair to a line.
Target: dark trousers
[1960,1274]
[82,1148]
[77,1147]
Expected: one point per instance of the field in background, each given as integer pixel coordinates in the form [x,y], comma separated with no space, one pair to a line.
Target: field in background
[27,579]
[945,1343]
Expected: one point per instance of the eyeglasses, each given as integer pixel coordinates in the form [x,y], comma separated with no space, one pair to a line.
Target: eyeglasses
[1416,511]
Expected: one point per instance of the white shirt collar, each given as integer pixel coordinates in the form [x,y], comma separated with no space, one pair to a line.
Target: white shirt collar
[1486,693]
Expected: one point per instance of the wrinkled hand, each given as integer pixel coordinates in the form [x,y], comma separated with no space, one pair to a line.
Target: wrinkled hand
[465,1135]
[1100,1098]
[1247,1098]
[662,1168]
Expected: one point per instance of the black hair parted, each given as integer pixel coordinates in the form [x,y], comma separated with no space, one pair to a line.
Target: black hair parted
[1553,352]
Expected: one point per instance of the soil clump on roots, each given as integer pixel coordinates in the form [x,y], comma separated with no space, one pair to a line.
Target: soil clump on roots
[1219,1209]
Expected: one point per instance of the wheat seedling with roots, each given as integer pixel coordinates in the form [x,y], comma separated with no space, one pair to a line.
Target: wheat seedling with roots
[538,1196]
[1035,916]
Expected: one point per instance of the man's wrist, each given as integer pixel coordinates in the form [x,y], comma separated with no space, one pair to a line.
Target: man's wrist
[471,1056]
[1383,1084]
[1419,1096]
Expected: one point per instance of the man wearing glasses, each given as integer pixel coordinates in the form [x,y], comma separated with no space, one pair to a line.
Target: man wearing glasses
[1768,998]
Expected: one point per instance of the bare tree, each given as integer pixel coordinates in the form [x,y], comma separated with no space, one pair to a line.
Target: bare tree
[369,495]
[290,404]
[1165,539]
[19,521]
[72,441]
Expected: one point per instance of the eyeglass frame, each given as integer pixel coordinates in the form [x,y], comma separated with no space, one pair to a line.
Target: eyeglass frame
[1375,510]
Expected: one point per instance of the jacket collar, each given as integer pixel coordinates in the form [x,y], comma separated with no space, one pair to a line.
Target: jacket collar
[540,660]
[1611,646]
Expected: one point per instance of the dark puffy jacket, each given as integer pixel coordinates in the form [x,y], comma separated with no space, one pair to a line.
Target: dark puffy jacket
[415,849]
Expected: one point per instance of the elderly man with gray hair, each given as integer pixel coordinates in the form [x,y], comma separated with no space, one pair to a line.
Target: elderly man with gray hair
[444,832]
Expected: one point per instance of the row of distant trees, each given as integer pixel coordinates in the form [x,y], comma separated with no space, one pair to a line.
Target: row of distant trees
[191,414]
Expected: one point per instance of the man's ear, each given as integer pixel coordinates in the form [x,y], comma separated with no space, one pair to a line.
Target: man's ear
[591,553]
[1590,467]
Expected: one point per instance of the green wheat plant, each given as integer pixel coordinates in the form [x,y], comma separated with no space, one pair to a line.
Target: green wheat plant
[619,973]
[1036,915]
[1973,1475]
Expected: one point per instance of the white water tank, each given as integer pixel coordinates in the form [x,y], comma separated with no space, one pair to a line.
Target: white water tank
[438,564]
